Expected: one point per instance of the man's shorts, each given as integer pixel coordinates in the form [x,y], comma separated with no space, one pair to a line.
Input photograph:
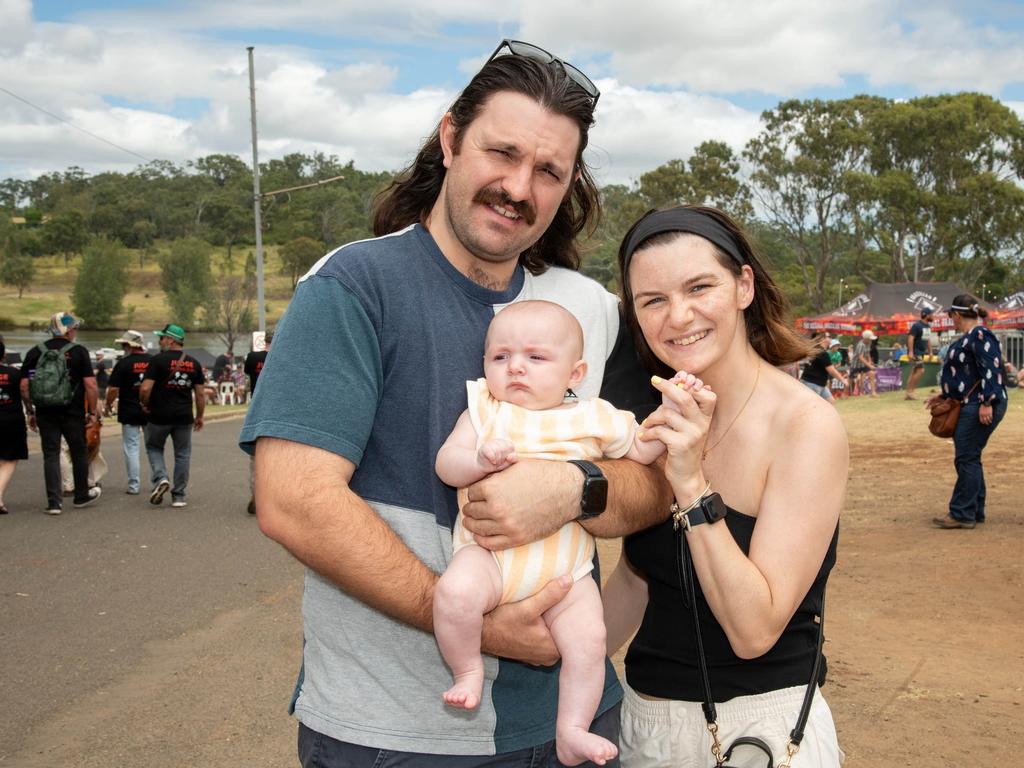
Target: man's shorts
[918,363]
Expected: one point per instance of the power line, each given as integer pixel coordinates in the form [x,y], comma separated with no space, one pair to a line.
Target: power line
[69,123]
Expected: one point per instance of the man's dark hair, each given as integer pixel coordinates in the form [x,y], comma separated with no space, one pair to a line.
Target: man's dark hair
[412,194]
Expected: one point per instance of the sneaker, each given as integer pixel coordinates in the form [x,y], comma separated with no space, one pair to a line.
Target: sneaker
[178,503]
[157,496]
[132,491]
[94,493]
[950,522]
[54,511]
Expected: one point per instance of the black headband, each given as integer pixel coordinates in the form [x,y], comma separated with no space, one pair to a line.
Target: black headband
[682,220]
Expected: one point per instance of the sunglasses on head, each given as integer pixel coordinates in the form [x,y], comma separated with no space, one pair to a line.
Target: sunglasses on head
[530,51]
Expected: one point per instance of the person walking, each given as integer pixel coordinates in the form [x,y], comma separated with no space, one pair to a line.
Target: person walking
[58,387]
[820,369]
[919,345]
[366,382]
[169,383]
[863,369]
[254,363]
[973,373]
[13,434]
[123,389]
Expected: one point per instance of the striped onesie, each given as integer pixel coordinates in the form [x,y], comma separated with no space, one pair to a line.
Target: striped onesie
[588,429]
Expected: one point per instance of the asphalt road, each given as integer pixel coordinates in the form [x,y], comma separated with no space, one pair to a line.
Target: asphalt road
[137,635]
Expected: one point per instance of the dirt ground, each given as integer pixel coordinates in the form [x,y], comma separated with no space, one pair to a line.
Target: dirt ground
[924,627]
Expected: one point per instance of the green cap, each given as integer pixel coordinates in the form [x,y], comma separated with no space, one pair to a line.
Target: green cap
[172,331]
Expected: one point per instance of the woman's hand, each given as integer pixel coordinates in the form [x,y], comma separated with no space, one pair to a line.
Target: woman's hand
[682,422]
[985,413]
[931,401]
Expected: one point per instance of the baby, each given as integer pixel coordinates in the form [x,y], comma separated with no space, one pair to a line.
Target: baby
[532,358]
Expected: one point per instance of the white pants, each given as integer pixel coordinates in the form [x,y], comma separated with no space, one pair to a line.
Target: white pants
[674,734]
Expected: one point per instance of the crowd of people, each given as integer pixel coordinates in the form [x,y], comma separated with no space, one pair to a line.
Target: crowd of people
[60,392]
[441,467]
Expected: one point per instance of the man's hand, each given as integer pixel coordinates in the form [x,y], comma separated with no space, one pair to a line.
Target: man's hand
[197,425]
[32,422]
[517,630]
[526,502]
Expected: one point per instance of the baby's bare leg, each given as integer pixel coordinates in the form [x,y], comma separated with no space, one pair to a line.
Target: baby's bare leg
[469,588]
[577,626]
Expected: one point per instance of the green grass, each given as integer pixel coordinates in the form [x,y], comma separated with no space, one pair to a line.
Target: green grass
[145,303]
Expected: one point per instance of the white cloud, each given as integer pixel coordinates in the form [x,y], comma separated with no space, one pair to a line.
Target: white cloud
[17,24]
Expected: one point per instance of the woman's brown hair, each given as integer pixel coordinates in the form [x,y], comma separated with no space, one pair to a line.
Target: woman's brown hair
[769,330]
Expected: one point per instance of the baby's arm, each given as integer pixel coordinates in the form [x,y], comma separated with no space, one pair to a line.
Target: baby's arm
[644,451]
[460,464]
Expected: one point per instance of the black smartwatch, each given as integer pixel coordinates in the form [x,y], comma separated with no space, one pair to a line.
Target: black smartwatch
[710,509]
[595,489]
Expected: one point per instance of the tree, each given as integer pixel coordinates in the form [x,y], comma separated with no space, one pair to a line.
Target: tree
[186,277]
[102,282]
[298,255]
[66,234]
[230,310]
[17,270]
[709,177]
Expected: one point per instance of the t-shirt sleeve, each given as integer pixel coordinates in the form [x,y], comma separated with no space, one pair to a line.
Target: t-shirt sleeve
[80,365]
[619,428]
[324,375]
[153,369]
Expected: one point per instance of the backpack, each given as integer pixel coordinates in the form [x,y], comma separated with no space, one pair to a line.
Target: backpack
[50,385]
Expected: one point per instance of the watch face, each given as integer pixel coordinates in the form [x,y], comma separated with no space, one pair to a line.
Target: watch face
[714,508]
[595,495]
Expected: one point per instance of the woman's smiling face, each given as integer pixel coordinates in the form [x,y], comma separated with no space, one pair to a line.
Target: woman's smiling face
[688,305]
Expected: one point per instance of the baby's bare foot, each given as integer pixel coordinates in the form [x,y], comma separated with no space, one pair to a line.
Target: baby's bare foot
[575,745]
[465,694]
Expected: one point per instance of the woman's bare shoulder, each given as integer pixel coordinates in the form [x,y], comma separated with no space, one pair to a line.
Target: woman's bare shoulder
[801,414]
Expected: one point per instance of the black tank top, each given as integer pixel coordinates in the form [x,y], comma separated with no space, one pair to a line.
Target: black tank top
[662,659]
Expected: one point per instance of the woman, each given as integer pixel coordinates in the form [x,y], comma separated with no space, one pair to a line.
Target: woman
[972,371]
[700,303]
[13,435]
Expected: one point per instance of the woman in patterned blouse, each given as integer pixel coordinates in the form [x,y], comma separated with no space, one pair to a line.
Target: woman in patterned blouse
[973,373]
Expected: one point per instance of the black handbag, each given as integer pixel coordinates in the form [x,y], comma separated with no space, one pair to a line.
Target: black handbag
[687,576]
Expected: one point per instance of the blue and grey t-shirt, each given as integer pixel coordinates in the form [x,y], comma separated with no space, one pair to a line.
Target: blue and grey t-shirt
[370,363]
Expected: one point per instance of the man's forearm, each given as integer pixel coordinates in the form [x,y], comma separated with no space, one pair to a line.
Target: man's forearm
[638,497]
[312,513]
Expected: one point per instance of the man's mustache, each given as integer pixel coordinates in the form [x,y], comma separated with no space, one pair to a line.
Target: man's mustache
[500,198]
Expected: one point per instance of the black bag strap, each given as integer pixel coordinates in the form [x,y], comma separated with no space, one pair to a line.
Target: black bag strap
[687,576]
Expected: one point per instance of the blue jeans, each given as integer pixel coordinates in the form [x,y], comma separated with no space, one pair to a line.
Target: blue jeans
[968,501]
[131,438]
[319,751]
[181,437]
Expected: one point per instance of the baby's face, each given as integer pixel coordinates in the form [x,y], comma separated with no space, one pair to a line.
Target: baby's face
[529,360]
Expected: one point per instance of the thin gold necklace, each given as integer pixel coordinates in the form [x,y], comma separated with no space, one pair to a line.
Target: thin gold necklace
[757,375]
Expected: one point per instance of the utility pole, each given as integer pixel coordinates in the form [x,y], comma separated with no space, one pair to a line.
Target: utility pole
[256,197]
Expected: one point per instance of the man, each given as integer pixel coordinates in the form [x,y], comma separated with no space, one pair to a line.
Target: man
[221,364]
[254,363]
[919,344]
[102,368]
[168,385]
[59,391]
[369,373]
[863,368]
[822,368]
[125,384]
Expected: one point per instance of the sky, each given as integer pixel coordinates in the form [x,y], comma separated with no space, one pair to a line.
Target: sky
[109,85]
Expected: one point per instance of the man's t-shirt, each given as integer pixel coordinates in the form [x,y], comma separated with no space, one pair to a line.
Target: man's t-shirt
[222,362]
[254,363]
[920,330]
[79,367]
[174,376]
[860,352]
[816,371]
[127,377]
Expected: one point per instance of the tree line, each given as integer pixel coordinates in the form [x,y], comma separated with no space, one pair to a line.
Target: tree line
[864,189]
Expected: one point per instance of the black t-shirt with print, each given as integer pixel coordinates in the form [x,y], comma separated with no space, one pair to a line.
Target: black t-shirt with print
[174,376]
[127,377]
[254,363]
[79,367]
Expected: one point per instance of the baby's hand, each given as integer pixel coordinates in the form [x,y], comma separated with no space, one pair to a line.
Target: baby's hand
[686,381]
[496,454]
